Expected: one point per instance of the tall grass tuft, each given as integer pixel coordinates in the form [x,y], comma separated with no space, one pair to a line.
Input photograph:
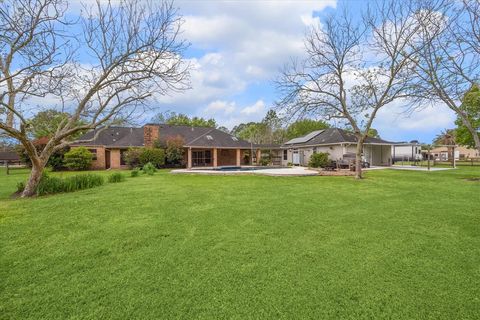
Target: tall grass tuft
[135,172]
[116,177]
[149,169]
[51,185]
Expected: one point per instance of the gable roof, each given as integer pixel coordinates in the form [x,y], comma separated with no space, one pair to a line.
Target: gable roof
[193,136]
[305,138]
[331,136]
[114,137]
[9,156]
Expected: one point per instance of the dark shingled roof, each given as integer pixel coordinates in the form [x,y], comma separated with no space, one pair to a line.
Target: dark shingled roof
[335,136]
[114,137]
[9,156]
[193,137]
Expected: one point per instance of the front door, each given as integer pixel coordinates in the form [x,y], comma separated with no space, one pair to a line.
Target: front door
[296,157]
[107,159]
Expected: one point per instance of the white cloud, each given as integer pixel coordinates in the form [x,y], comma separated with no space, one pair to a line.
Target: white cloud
[395,123]
[218,107]
[257,108]
[261,35]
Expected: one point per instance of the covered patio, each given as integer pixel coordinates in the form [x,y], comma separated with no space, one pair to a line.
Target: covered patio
[218,157]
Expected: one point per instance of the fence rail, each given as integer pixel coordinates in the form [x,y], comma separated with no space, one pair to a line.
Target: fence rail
[423,163]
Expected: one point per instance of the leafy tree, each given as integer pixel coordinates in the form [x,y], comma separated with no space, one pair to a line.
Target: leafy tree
[78,159]
[302,127]
[174,150]
[45,124]
[373,133]
[254,132]
[268,131]
[173,118]
[471,109]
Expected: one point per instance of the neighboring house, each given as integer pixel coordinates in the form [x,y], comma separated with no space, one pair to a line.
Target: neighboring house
[407,151]
[444,153]
[204,147]
[337,143]
[9,157]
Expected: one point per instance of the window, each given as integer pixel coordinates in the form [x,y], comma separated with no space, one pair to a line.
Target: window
[209,137]
[94,153]
[234,139]
[285,154]
[122,157]
[314,150]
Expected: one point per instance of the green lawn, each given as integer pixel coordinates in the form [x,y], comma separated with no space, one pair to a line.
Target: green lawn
[398,245]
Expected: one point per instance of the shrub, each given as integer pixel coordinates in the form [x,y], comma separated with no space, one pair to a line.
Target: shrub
[51,185]
[264,161]
[289,164]
[154,156]
[116,177]
[318,160]
[174,150]
[135,172]
[149,169]
[20,186]
[78,159]
[132,157]
[56,160]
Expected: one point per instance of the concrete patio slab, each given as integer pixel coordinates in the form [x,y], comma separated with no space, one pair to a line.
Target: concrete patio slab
[291,171]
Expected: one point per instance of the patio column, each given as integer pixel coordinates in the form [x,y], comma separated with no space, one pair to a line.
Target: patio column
[189,158]
[238,157]
[259,155]
[215,158]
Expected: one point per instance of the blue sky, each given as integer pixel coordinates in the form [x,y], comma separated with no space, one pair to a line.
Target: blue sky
[237,49]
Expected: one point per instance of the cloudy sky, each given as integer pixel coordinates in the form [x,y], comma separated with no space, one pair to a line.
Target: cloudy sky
[237,49]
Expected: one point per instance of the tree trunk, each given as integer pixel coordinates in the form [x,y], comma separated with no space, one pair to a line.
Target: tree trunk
[34,179]
[358,159]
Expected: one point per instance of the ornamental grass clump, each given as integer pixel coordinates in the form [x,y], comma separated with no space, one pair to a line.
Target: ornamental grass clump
[52,185]
[135,173]
[149,169]
[116,177]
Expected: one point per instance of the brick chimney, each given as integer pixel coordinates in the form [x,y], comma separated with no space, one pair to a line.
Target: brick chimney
[150,134]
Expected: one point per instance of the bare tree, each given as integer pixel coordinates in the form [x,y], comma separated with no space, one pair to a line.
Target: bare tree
[134,51]
[353,68]
[448,58]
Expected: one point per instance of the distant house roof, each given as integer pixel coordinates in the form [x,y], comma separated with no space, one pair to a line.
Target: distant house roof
[406,143]
[331,136]
[9,156]
[134,137]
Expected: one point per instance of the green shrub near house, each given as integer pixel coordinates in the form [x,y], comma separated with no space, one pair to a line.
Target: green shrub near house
[138,157]
[319,160]
[78,159]
[155,156]
[174,150]
[132,157]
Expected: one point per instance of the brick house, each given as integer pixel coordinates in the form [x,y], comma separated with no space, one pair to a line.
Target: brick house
[204,147]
